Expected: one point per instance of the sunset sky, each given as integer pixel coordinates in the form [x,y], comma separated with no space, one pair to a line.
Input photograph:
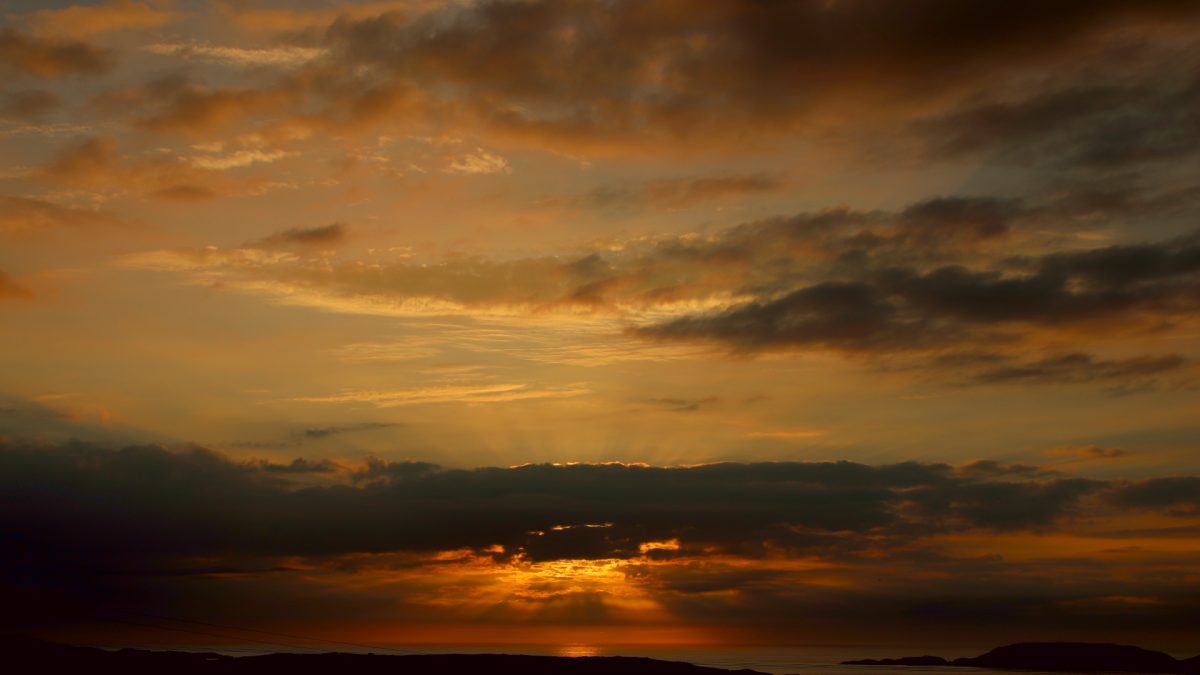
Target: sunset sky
[601,321]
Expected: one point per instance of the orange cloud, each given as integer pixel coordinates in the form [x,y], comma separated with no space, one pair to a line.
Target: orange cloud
[81,21]
[11,290]
[24,213]
[50,57]
[280,20]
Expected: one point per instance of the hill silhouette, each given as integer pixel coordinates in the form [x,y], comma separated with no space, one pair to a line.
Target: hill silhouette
[1058,657]
[26,655]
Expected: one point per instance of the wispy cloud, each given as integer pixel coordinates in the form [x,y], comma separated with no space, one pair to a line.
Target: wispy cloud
[238,159]
[244,57]
[481,393]
[789,434]
[478,162]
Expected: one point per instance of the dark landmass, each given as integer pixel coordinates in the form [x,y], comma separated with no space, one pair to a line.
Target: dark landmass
[22,655]
[1058,657]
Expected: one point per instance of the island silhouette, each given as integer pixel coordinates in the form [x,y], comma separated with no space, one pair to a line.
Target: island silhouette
[1075,657]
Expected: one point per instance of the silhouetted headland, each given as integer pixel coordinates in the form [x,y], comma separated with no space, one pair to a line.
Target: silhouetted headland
[1058,657]
[22,655]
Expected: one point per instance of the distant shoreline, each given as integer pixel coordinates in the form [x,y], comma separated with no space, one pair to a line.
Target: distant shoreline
[41,656]
[1056,657]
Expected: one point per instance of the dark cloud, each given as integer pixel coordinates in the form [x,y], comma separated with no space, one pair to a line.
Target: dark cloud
[43,57]
[1102,125]
[1178,494]
[688,76]
[992,468]
[854,316]
[578,70]
[1006,505]
[1072,368]
[28,104]
[89,529]
[185,504]
[933,221]
[322,236]
[300,466]
[325,432]
[904,308]
[382,472]
[988,125]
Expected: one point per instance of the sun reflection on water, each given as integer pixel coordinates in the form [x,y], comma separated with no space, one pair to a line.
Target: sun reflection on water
[577,650]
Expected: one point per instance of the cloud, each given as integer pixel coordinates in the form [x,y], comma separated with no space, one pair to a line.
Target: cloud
[29,104]
[81,21]
[49,58]
[748,544]
[11,290]
[684,404]
[1178,495]
[239,159]
[96,163]
[790,434]
[593,77]
[478,162]
[851,316]
[185,193]
[384,472]
[1071,368]
[680,193]
[900,308]
[284,20]
[733,506]
[1119,118]
[934,221]
[641,274]
[967,285]
[321,236]
[300,466]
[592,73]
[1087,451]
[243,57]
[86,160]
[580,80]
[195,109]
[993,469]
[451,393]
[317,433]
[24,213]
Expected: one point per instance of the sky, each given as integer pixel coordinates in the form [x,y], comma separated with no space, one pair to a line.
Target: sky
[601,321]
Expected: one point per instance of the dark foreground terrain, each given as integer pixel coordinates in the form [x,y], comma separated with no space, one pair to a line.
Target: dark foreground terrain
[28,656]
[1078,657]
